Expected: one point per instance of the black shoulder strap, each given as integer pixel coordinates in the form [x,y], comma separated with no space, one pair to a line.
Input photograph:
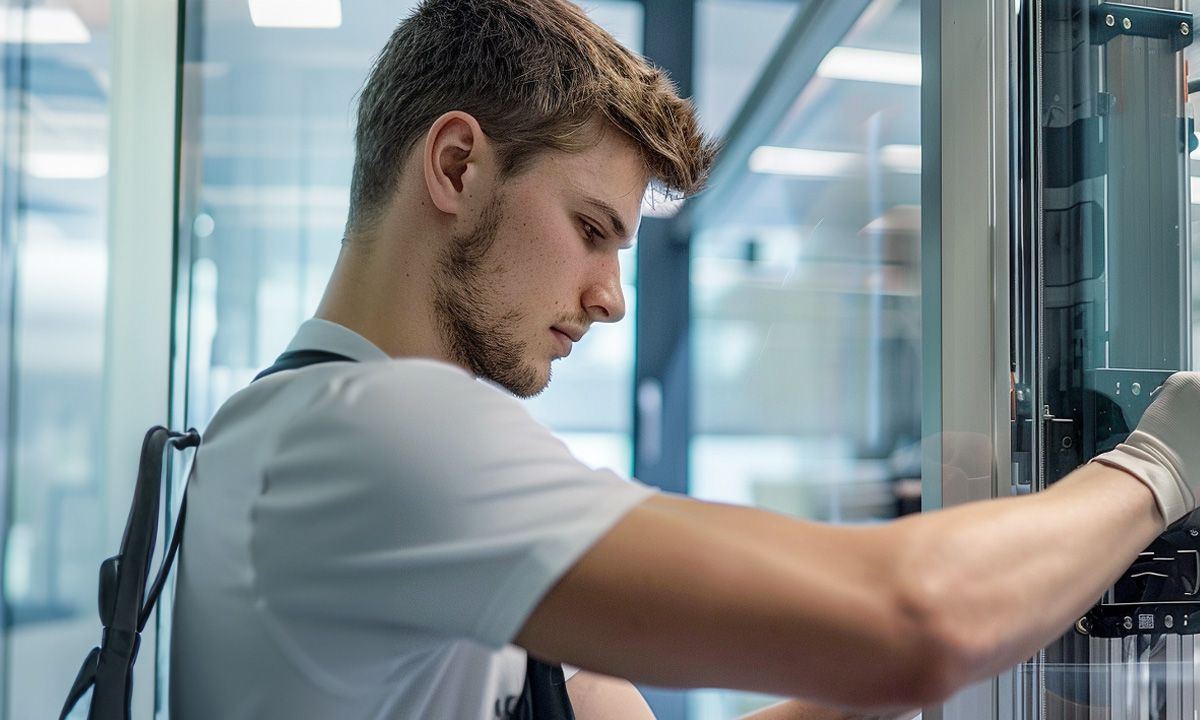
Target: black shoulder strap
[296,359]
[124,603]
[545,695]
[124,612]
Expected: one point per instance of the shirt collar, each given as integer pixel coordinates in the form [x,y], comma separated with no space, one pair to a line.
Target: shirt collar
[318,334]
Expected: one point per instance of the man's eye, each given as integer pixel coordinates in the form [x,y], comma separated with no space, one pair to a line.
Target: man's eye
[591,233]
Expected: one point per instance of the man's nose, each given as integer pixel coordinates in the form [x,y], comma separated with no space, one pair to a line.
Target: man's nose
[604,300]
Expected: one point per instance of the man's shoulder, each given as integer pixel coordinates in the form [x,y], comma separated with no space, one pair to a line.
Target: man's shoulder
[413,394]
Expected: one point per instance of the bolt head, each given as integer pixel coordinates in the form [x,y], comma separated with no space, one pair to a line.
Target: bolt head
[1136,388]
[1194,532]
[1128,623]
[1109,20]
[1185,29]
[1126,23]
[1169,621]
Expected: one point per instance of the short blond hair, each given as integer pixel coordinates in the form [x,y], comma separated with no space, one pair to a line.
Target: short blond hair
[536,74]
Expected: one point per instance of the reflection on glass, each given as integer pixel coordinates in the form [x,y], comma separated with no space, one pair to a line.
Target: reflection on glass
[1102,320]
[806,301]
[55,186]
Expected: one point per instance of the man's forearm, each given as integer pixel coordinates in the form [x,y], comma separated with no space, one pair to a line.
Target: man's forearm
[1002,577]
[800,710]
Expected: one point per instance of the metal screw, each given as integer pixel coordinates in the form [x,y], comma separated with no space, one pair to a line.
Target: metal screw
[1169,621]
[1136,388]
[1128,624]
[1118,387]
[1194,532]
[1067,442]
[1185,29]
[1109,20]
[1126,23]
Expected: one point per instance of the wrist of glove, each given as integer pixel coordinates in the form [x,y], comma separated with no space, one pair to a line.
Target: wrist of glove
[1164,451]
[1153,463]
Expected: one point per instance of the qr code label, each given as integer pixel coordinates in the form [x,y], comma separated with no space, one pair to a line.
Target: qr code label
[1146,621]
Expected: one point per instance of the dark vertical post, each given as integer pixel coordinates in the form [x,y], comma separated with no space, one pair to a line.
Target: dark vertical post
[661,368]
[662,371]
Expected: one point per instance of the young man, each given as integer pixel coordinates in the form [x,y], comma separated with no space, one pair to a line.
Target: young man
[387,536]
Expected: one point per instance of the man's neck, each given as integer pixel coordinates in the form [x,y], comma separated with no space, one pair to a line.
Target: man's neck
[390,308]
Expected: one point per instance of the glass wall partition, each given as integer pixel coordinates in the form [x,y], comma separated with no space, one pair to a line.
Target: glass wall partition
[85,245]
[53,257]
[805,279]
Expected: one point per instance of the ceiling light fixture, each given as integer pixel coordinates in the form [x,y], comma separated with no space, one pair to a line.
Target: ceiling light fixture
[901,158]
[67,165]
[802,163]
[43,26]
[846,63]
[296,13]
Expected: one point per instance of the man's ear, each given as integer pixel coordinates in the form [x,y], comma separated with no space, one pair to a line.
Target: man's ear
[457,162]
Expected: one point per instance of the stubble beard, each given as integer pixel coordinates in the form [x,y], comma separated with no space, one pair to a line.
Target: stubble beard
[475,334]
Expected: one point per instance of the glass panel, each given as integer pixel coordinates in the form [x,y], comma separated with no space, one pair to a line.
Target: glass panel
[1103,306]
[55,194]
[734,41]
[806,302]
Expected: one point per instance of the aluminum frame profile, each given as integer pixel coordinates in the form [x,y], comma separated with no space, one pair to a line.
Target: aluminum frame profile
[966,200]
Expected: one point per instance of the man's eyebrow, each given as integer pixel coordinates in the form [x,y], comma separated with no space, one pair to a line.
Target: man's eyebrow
[613,219]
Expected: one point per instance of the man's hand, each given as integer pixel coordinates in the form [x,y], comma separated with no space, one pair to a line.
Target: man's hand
[1164,451]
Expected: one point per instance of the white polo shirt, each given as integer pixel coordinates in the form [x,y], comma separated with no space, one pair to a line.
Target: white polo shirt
[365,539]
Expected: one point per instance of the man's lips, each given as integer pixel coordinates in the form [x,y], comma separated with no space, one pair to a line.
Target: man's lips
[565,341]
[574,334]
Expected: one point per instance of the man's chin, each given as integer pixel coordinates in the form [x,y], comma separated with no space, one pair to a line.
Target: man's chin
[526,385]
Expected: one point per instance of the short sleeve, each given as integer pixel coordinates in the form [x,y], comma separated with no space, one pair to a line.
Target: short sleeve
[411,495]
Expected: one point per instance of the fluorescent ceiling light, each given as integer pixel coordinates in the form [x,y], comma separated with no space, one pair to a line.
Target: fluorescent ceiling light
[901,158]
[296,13]
[67,165]
[845,63]
[42,25]
[802,163]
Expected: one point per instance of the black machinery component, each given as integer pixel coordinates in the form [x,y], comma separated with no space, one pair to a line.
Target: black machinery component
[1106,276]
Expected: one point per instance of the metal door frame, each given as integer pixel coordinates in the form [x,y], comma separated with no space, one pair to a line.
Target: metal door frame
[966,224]
[141,266]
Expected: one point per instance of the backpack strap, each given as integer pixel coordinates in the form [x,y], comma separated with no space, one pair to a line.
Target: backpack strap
[122,596]
[296,359]
[545,695]
[126,602]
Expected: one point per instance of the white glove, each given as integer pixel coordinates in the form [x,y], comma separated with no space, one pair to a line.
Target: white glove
[1164,451]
